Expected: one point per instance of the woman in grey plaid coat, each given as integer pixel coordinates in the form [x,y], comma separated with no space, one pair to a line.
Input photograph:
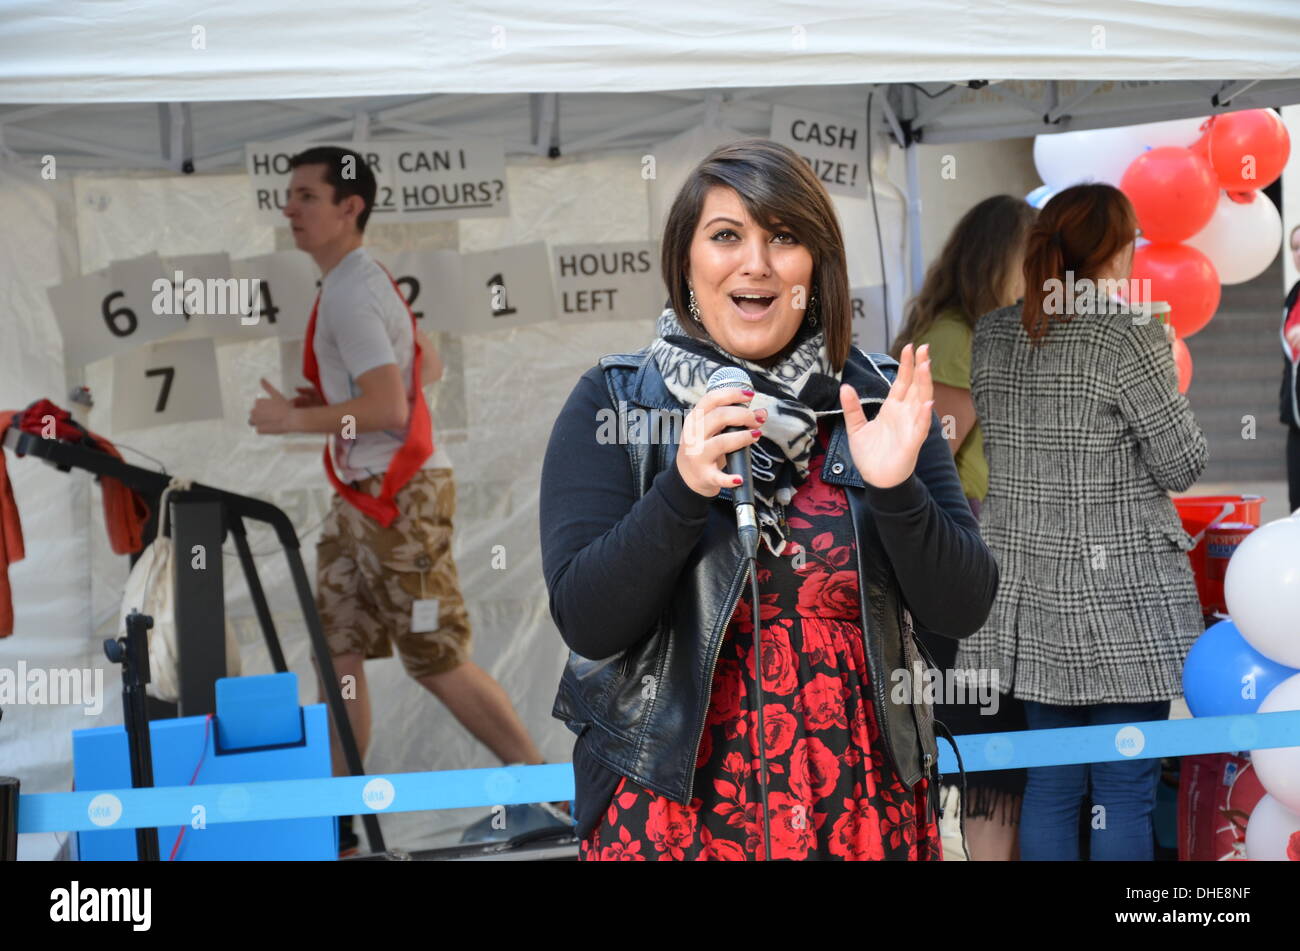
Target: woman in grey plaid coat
[1086,434]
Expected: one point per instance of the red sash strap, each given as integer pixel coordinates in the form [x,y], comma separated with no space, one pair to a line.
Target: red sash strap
[1293,320]
[419,434]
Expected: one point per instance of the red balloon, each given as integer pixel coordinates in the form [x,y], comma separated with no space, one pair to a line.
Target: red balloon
[1184,277]
[1174,192]
[1201,146]
[1183,361]
[1248,149]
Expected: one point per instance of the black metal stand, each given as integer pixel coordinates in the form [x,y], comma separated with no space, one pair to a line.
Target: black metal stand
[205,635]
[8,819]
[132,652]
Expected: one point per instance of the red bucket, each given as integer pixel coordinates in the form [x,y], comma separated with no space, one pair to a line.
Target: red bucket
[1202,514]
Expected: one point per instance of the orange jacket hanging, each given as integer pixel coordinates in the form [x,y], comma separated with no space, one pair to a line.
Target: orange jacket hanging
[125,511]
[419,432]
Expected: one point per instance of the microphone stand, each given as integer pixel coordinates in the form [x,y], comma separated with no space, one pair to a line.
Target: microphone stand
[132,652]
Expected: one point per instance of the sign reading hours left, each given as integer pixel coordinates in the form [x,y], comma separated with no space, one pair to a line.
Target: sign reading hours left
[173,381]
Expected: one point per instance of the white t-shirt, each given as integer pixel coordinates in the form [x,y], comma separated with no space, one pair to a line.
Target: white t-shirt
[362,323]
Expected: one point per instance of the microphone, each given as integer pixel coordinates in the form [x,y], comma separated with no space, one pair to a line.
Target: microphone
[738,465]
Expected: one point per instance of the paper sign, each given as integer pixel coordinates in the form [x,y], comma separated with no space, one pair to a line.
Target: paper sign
[195,281]
[834,146]
[190,291]
[870,332]
[508,287]
[166,382]
[286,281]
[430,283]
[427,180]
[269,171]
[448,179]
[98,318]
[616,281]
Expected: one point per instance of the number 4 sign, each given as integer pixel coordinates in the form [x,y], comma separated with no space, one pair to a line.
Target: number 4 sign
[166,382]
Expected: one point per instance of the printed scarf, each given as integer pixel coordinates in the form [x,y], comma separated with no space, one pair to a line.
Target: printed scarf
[795,392]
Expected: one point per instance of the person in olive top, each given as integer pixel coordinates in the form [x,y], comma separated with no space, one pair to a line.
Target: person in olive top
[978,271]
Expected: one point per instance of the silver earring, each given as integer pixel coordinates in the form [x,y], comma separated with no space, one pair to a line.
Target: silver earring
[692,306]
[812,316]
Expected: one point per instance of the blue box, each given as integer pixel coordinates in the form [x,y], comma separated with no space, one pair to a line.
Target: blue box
[256,712]
[101,760]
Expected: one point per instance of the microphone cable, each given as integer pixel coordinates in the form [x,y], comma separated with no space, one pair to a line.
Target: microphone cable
[758,684]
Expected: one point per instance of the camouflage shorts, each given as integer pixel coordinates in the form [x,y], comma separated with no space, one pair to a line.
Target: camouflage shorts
[368,576]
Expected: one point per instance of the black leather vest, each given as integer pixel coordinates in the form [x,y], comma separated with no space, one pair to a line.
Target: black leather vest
[642,712]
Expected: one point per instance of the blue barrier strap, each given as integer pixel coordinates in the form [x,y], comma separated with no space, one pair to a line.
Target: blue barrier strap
[1102,744]
[91,810]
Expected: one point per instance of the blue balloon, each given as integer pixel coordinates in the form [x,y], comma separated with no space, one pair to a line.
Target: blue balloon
[1216,672]
[1040,196]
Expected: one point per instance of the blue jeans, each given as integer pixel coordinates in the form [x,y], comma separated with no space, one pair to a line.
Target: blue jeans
[1124,789]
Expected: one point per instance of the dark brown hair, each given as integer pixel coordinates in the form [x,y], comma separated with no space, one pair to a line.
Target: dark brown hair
[1078,231]
[974,269]
[775,185]
[359,180]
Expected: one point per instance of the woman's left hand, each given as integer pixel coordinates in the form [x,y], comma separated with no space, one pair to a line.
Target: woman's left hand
[885,448]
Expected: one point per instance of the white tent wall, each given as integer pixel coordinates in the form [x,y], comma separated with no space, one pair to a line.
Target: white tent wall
[493,412]
[955,176]
[51,586]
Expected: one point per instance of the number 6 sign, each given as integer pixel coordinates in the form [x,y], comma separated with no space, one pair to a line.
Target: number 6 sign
[111,311]
[166,382]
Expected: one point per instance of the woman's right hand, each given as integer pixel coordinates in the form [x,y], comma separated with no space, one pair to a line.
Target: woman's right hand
[702,453]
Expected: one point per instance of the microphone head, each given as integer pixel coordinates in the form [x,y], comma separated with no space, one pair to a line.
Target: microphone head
[729,376]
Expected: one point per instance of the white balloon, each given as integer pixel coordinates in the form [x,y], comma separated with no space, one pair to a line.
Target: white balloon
[1278,769]
[1153,135]
[1241,241]
[1270,831]
[1262,590]
[1094,155]
[1104,155]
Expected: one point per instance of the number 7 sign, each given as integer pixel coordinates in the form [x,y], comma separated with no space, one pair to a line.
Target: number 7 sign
[166,382]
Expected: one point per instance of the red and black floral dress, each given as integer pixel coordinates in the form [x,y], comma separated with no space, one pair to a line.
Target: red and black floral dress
[831,791]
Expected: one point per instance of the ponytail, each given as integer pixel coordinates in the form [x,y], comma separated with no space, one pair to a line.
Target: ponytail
[1076,234]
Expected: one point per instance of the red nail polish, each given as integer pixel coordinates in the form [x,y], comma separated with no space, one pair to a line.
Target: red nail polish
[737,480]
[748,392]
[756,433]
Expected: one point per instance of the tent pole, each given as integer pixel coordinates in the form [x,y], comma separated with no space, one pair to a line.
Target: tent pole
[915,269]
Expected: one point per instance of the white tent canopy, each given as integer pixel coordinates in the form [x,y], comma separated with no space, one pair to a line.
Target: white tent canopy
[183,85]
[169,51]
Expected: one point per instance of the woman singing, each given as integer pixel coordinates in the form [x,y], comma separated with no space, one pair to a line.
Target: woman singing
[863,525]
